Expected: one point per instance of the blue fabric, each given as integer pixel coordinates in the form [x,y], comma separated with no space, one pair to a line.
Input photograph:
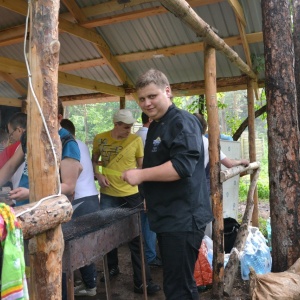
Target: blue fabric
[223,137]
[70,149]
[24,182]
[149,238]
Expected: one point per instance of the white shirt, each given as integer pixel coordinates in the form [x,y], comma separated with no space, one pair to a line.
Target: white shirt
[142,132]
[85,185]
[206,154]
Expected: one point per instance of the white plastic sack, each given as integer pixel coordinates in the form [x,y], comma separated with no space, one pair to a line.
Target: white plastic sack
[256,254]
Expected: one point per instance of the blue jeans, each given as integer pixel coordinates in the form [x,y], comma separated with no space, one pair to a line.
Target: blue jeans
[149,238]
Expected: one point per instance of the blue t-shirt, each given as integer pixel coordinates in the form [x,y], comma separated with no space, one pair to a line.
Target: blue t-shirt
[70,149]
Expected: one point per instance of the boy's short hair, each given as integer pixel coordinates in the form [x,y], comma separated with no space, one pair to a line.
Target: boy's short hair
[152,76]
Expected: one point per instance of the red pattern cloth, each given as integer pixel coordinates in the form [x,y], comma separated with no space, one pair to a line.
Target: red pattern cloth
[203,271]
[7,153]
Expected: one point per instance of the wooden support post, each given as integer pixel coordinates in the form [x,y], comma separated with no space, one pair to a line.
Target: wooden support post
[252,147]
[122,102]
[214,161]
[233,263]
[46,248]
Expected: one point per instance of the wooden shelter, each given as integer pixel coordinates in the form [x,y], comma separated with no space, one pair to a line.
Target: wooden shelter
[203,46]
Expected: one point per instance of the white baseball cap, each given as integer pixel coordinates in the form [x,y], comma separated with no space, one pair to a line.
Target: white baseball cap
[124,116]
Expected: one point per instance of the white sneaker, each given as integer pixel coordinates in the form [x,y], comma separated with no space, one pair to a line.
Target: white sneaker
[81,290]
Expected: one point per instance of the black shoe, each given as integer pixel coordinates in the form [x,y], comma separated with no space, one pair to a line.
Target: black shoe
[114,271]
[152,288]
[156,262]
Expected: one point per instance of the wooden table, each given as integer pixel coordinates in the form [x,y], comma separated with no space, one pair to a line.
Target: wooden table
[82,251]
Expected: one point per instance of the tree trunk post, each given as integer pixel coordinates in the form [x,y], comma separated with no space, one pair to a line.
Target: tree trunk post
[45,249]
[122,102]
[252,145]
[239,244]
[283,133]
[214,161]
[296,40]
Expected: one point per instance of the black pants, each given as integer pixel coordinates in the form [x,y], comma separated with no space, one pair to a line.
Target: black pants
[179,252]
[131,201]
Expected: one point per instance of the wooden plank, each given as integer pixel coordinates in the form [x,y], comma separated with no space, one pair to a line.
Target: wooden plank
[238,10]
[13,66]
[90,84]
[10,102]
[216,190]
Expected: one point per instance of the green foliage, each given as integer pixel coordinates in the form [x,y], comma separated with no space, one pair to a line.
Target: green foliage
[233,124]
[258,63]
[262,225]
[91,119]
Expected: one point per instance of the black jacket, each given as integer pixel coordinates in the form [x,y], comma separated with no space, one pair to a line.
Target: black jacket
[178,205]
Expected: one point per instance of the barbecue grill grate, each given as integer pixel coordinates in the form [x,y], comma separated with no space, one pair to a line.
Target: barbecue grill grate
[94,221]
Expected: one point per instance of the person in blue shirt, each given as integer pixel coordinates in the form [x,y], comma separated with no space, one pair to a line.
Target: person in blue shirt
[70,167]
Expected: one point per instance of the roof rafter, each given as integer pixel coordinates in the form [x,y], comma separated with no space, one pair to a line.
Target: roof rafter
[14,83]
[16,67]
[142,13]
[189,17]
[178,89]
[79,31]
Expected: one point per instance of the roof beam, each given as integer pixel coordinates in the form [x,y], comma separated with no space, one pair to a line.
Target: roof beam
[89,84]
[11,102]
[187,15]
[13,35]
[13,83]
[138,14]
[168,51]
[12,67]
[178,89]
[103,48]
[115,5]
[241,24]
[78,65]
[184,49]
[111,6]
[81,32]
[238,10]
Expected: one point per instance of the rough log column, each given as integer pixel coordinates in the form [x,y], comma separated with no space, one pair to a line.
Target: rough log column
[46,249]
[214,160]
[252,146]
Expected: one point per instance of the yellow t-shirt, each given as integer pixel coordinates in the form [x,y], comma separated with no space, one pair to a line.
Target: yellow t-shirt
[108,148]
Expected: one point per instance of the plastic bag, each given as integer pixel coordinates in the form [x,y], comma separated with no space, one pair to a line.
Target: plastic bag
[276,286]
[203,270]
[256,254]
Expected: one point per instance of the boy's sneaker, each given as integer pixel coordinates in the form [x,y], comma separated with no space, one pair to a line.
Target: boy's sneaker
[152,288]
[82,290]
[114,271]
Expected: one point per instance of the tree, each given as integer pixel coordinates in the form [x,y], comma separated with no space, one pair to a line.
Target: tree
[296,36]
[283,133]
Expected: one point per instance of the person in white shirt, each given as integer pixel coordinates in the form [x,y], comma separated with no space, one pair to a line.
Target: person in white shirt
[86,200]
[225,161]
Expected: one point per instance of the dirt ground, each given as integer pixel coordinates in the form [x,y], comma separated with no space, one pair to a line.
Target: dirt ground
[122,285]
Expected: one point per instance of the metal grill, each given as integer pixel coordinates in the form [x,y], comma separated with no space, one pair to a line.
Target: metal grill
[94,221]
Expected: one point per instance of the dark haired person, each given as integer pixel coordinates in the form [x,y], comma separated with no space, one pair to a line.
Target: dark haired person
[86,200]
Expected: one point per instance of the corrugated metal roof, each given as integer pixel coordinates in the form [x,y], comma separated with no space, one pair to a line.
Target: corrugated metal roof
[144,34]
